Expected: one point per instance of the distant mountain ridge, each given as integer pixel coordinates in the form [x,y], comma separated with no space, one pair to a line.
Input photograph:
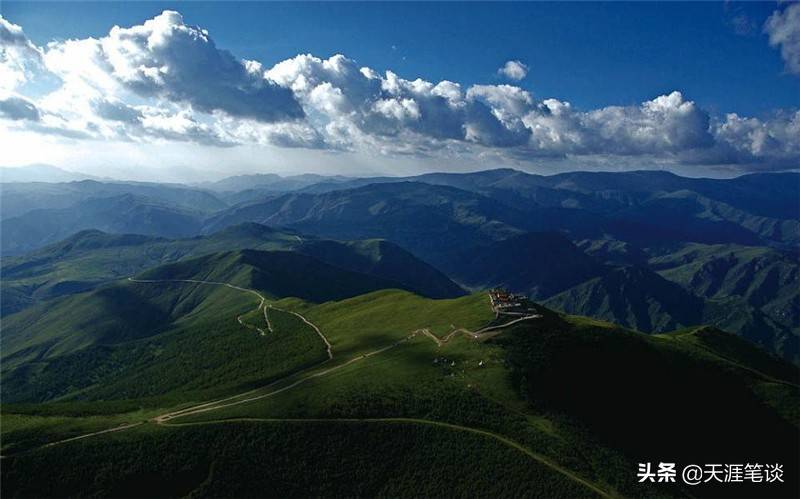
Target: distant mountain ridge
[41,173]
[90,258]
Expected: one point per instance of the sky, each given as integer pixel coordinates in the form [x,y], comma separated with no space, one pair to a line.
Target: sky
[188,90]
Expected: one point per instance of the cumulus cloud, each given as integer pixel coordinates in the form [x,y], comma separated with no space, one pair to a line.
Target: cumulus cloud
[772,142]
[513,70]
[783,28]
[19,58]
[167,81]
[165,57]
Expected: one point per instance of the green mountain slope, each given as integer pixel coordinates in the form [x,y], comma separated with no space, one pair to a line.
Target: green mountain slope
[634,297]
[208,461]
[536,264]
[575,401]
[383,259]
[679,395]
[276,273]
[91,258]
[566,387]
[765,278]
[124,326]
[639,298]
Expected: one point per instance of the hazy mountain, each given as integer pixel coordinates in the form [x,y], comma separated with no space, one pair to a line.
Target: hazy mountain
[688,216]
[645,207]
[41,173]
[247,188]
[771,195]
[121,214]
[473,227]
[430,221]
[614,252]
[20,198]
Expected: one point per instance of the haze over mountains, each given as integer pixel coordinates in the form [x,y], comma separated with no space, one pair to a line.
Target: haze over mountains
[648,249]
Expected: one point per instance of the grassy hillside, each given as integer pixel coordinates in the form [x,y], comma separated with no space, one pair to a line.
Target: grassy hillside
[126,339]
[187,346]
[277,273]
[329,459]
[525,384]
[575,401]
[104,343]
[386,260]
[90,258]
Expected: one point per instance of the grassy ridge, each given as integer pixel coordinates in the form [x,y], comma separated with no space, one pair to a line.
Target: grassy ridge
[585,393]
[378,319]
[204,354]
[90,258]
[578,393]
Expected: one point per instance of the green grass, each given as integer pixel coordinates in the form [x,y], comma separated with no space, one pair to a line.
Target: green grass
[94,258]
[286,459]
[464,382]
[573,393]
[585,394]
[90,259]
[378,319]
[21,431]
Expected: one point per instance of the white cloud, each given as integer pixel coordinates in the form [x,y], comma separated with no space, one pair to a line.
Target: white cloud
[19,58]
[166,58]
[783,28]
[167,82]
[665,125]
[514,70]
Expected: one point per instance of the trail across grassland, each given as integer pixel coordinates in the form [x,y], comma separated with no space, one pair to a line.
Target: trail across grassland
[261,304]
[544,460]
[296,379]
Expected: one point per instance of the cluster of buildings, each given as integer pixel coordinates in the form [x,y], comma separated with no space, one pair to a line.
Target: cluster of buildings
[503,300]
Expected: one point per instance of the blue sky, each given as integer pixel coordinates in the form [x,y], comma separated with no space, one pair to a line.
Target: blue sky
[593,55]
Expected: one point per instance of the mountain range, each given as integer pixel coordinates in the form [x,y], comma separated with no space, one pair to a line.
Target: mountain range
[160,337]
[649,250]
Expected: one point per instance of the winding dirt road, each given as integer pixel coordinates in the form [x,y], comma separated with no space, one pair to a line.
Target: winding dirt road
[261,304]
[294,379]
[308,374]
